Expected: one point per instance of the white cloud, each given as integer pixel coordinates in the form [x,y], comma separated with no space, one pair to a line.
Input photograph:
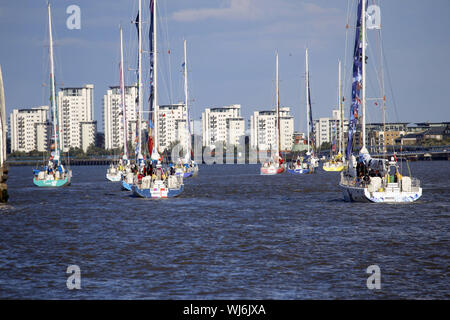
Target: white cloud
[257,10]
[235,10]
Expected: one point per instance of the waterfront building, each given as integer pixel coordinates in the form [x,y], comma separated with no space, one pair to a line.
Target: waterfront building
[327,129]
[264,130]
[172,126]
[223,124]
[30,129]
[75,106]
[88,132]
[113,116]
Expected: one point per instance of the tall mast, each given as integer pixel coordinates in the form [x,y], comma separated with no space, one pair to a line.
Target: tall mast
[383,93]
[188,124]
[122,93]
[363,71]
[341,112]
[278,107]
[52,81]
[155,77]
[140,91]
[2,122]
[307,94]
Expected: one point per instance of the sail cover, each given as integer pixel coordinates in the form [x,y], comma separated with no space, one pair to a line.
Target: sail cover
[150,36]
[356,85]
[310,120]
[138,147]
[151,95]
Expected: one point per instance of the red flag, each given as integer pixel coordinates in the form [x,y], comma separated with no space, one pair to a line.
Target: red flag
[150,145]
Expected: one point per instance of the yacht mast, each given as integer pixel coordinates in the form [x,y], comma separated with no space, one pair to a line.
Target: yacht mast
[155,77]
[2,122]
[52,82]
[341,112]
[139,124]
[188,124]
[307,94]
[278,108]
[122,94]
[363,71]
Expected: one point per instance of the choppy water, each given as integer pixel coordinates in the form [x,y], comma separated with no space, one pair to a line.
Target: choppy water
[233,234]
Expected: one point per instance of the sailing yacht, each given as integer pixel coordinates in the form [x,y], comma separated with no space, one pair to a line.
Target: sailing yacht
[53,174]
[134,171]
[336,162]
[275,165]
[367,179]
[186,166]
[153,180]
[304,165]
[115,171]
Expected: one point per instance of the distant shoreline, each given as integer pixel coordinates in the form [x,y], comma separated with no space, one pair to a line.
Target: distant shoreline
[106,162]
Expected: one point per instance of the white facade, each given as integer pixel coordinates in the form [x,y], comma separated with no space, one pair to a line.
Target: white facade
[88,131]
[235,130]
[223,124]
[75,105]
[264,130]
[181,132]
[327,128]
[113,116]
[29,129]
[43,133]
[171,125]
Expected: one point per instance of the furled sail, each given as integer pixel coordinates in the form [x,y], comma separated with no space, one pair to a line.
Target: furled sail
[356,85]
[152,91]
[310,120]
[138,125]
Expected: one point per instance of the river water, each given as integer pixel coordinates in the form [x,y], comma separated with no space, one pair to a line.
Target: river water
[232,234]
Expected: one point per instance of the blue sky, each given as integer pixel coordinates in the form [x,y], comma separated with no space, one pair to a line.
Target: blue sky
[231,53]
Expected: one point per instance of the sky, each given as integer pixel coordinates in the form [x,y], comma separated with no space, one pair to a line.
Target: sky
[231,54]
